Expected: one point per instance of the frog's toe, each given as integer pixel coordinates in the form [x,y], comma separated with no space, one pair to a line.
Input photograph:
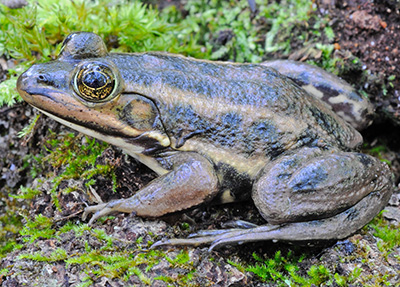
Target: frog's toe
[213,237]
[210,233]
[98,211]
[242,224]
[178,241]
[191,241]
[231,226]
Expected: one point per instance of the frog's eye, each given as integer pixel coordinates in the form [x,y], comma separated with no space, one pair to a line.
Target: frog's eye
[95,82]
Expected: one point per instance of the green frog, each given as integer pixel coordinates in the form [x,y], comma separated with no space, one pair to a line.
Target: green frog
[219,132]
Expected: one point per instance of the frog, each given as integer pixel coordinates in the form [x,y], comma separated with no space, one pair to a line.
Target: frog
[280,134]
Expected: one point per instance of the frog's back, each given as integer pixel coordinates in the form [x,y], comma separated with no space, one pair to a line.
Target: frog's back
[242,109]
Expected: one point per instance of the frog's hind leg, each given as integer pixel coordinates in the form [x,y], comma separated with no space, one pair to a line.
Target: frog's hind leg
[311,195]
[337,227]
[338,94]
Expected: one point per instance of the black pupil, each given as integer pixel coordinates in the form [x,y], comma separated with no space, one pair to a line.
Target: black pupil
[94,80]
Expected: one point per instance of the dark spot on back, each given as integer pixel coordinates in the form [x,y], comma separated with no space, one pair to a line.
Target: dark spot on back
[366,160]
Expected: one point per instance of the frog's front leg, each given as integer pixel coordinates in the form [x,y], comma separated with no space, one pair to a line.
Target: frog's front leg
[191,181]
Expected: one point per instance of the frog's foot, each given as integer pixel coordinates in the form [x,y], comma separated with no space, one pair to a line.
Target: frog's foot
[208,236]
[200,238]
[215,237]
[102,209]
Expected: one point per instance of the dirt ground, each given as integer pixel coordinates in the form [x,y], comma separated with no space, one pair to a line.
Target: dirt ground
[365,29]
[371,32]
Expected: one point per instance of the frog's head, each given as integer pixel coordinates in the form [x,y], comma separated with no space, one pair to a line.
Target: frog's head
[84,90]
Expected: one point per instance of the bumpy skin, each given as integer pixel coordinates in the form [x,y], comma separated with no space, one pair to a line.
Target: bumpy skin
[219,131]
[339,95]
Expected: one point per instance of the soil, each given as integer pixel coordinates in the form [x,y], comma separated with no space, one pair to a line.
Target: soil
[363,28]
[370,30]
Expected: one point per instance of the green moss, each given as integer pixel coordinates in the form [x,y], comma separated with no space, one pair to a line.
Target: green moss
[4,272]
[8,93]
[37,228]
[8,246]
[211,29]
[106,260]
[183,262]
[123,264]
[285,271]
[388,234]
[57,255]
[42,24]
[26,193]
[10,223]
[78,160]
[181,259]
[231,31]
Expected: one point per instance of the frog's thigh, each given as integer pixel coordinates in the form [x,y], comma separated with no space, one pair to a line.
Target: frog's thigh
[191,182]
[311,184]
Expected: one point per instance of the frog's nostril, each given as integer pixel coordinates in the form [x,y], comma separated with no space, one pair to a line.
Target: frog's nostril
[43,78]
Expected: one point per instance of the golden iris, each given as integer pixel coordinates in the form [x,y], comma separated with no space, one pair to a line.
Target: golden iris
[95,82]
